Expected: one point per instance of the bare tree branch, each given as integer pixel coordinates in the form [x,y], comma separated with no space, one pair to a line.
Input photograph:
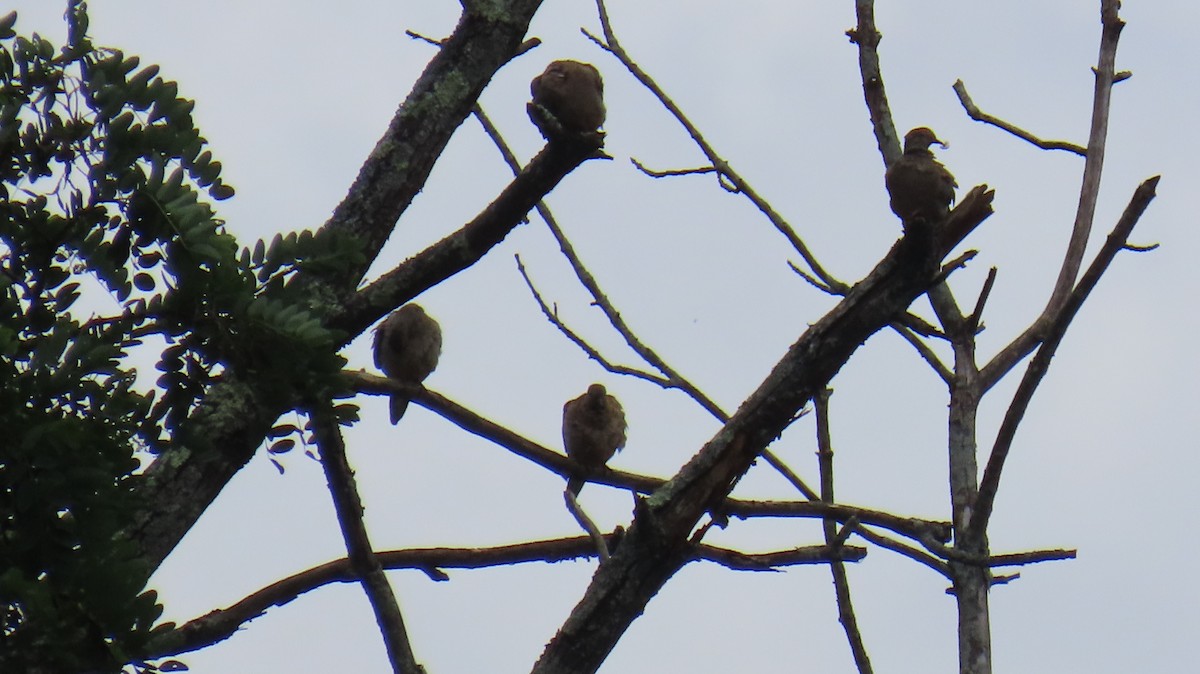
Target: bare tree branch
[976,317]
[589,527]
[722,167]
[1035,557]
[841,583]
[221,624]
[587,348]
[670,173]
[990,483]
[867,37]
[912,527]
[471,422]
[464,247]
[978,115]
[363,563]
[925,352]
[1093,166]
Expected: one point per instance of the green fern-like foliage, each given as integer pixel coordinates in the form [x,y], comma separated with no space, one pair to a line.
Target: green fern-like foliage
[113,257]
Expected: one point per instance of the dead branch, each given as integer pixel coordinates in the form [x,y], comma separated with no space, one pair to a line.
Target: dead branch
[583,345]
[867,37]
[221,624]
[1040,363]
[670,173]
[978,115]
[834,538]
[589,527]
[363,563]
[1089,192]
[976,317]
[720,166]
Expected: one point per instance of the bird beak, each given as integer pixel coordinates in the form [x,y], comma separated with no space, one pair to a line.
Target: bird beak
[945,146]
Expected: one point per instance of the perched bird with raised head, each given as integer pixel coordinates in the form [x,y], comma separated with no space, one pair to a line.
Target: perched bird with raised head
[408,344]
[920,187]
[573,93]
[593,430]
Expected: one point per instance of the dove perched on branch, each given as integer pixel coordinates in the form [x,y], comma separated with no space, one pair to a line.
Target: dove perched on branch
[572,93]
[407,346]
[920,187]
[593,430]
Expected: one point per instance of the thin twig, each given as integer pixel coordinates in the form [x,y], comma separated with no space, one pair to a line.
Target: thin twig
[587,348]
[722,167]
[672,172]
[909,551]
[978,115]
[976,317]
[525,46]
[1141,249]
[1034,557]
[925,352]
[834,539]
[588,525]
[363,562]
[771,561]
[1040,362]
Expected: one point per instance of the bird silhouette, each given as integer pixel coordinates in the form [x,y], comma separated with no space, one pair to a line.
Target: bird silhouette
[573,93]
[920,187]
[407,346]
[593,430]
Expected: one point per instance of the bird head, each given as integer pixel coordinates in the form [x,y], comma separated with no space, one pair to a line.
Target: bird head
[921,138]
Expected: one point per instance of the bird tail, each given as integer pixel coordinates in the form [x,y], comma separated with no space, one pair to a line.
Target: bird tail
[397,407]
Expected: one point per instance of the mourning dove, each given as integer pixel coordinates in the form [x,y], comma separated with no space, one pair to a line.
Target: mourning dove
[593,430]
[407,346]
[920,187]
[573,93]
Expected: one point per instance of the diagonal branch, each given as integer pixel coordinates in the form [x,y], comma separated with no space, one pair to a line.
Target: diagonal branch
[978,115]
[867,37]
[466,246]
[363,563]
[1116,242]
[1089,192]
[593,353]
[841,581]
[722,167]
[654,547]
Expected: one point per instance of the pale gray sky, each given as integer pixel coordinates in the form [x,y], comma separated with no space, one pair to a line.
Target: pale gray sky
[292,96]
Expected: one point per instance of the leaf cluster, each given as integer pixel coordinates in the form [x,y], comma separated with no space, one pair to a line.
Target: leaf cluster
[113,256]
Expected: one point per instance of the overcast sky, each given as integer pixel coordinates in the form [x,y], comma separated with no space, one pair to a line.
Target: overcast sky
[293,95]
